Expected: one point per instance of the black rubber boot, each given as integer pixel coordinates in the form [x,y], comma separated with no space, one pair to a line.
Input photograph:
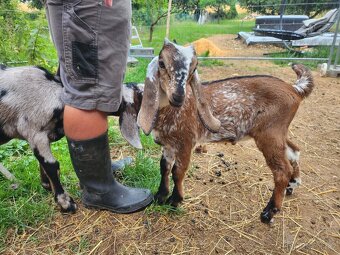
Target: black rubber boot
[92,163]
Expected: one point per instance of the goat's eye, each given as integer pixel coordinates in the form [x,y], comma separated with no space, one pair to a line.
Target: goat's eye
[161,64]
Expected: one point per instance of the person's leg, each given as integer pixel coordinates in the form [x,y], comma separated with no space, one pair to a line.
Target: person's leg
[84,124]
[92,69]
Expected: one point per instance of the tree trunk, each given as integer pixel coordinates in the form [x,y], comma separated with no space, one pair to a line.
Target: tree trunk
[153,24]
[151,32]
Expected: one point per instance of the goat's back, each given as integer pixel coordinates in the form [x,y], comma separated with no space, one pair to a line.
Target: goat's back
[245,105]
[29,102]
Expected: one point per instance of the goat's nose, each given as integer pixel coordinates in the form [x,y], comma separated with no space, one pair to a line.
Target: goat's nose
[178,99]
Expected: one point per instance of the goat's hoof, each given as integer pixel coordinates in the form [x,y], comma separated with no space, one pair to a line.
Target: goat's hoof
[293,184]
[174,201]
[66,203]
[71,209]
[160,198]
[267,215]
[289,191]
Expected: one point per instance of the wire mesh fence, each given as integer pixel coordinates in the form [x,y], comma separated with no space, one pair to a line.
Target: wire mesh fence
[278,22]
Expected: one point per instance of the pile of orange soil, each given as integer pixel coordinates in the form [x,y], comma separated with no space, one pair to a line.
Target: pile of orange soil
[202,46]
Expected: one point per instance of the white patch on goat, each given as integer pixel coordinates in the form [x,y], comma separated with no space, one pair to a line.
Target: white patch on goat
[140,86]
[292,155]
[173,127]
[301,84]
[152,69]
[187,54]
[294,184]
[64,200]
[230,96]
[128,94]
[297,182]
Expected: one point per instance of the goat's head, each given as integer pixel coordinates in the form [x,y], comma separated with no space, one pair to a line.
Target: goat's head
[167,77]
[128,111]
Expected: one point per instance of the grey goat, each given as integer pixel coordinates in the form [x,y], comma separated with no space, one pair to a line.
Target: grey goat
[31,109]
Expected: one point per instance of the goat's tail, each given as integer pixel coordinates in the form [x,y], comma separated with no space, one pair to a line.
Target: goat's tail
[304,83]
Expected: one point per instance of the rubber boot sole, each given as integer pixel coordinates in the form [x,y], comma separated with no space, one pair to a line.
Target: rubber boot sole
[126,210]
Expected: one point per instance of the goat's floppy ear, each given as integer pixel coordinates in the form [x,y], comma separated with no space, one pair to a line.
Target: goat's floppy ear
[128,126]
[204,112]
[150,103]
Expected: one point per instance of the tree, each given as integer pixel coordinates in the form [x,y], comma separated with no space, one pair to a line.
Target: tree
[272,7]
[156,10]
[219,7]
[35,3]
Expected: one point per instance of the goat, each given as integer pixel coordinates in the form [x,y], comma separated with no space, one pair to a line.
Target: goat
[260,106]
[31,109]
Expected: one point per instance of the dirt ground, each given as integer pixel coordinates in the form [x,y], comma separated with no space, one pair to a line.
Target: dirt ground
[226,190]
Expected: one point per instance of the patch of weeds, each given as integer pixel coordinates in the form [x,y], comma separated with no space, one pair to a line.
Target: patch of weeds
[14,148]
[144,172]
[30,204]
[115,137]
[209,62]
[84,245]
[137,72]
[149,144]
[316,52]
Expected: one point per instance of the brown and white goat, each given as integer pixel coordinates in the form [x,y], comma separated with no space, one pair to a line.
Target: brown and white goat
[261,107]
[31,109]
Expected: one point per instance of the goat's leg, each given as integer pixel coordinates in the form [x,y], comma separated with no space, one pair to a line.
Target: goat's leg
[166,164]
[274,152]
[293,154]
[45,182]
[178,173]
[50,166]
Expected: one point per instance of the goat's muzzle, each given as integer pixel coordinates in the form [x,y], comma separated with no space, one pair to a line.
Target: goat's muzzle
[177,100]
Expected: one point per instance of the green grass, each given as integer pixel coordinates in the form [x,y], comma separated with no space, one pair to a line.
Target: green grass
[30,204]
[187,32]
[316,52]
[137,72]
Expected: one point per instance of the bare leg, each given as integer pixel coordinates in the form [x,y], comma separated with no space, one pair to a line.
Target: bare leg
[82,124]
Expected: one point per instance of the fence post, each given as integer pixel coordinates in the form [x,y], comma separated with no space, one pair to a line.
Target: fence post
[168,20]
[334,42]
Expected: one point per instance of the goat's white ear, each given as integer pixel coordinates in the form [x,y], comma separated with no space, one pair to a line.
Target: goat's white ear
[150,103]
[204,111]
[166,41]
[128,126]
